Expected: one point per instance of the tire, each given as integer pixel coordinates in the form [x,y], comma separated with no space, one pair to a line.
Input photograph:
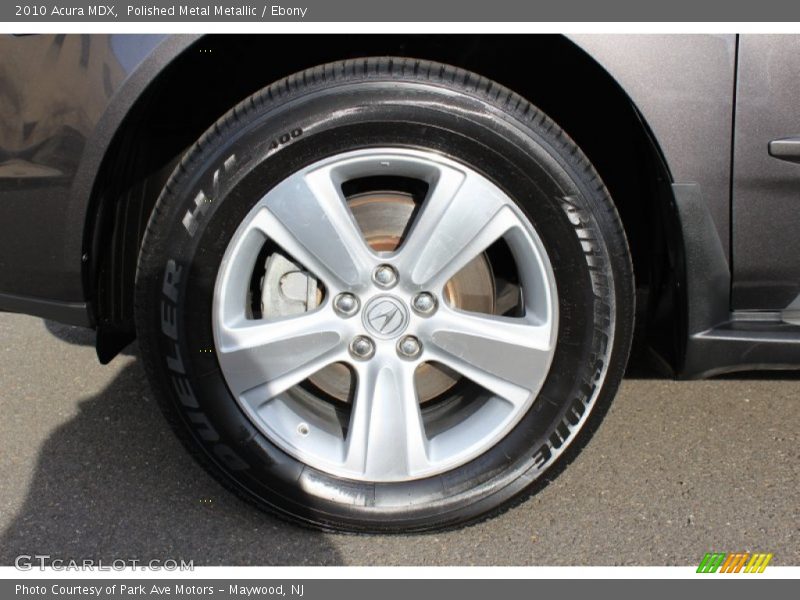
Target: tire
[514,373]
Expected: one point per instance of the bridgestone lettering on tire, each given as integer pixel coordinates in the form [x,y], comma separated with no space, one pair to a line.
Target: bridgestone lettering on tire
[384,295]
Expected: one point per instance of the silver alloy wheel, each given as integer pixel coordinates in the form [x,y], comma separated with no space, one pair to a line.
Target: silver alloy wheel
[307,216]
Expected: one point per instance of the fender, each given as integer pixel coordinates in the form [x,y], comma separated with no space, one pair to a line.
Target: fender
[682,85]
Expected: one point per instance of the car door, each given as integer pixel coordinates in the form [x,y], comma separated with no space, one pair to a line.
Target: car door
[766,176]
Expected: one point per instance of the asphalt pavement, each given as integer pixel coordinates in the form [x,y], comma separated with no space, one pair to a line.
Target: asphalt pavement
[89,469]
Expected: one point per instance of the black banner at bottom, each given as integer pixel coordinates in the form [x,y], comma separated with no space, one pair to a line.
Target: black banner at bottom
[384,589]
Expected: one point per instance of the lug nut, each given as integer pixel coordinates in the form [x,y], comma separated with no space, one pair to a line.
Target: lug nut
[385,276]
[409,347]
[424,303]
[346,305]
[362,347]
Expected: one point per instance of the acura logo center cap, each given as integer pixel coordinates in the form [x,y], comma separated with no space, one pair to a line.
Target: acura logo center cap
[385,317]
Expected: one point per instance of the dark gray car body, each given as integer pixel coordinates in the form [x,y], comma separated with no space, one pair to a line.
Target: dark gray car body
[71,108]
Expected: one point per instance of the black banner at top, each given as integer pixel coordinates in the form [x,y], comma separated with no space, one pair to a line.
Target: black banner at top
[460,11]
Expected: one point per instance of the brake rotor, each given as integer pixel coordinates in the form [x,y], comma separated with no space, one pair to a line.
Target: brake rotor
[384,218]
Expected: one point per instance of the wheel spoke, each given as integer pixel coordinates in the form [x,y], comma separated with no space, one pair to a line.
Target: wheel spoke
[462,216]
[265,358]
[386,436]
[507,356]
[308,217]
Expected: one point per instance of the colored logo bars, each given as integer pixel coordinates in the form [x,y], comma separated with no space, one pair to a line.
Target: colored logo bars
[734,562]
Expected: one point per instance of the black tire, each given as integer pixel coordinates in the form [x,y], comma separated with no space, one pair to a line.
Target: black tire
[389,102]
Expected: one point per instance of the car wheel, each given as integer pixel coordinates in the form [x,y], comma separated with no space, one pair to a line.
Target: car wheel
[384,295]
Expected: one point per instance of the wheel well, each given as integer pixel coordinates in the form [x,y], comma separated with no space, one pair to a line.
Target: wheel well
[218,71]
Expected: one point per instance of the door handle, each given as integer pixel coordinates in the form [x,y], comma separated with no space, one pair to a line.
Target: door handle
[787,149]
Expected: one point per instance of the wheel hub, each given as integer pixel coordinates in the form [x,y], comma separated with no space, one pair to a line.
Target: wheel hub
[385,317]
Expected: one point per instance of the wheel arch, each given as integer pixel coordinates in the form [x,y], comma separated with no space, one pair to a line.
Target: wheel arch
[159,115]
